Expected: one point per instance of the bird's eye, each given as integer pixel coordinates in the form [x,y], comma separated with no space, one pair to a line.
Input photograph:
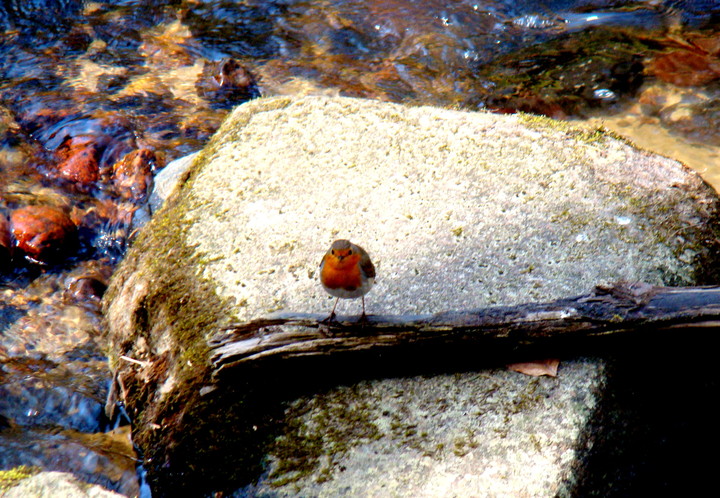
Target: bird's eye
[332,251]
[349,252]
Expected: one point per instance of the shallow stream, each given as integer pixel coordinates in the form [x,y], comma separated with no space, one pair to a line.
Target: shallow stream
[97,97]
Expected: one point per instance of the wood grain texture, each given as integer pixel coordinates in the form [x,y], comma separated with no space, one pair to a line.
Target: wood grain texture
[616,309]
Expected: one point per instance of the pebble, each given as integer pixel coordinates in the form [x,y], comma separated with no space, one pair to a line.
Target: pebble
[42,233]
[79,164]
[132,175]
[87,284]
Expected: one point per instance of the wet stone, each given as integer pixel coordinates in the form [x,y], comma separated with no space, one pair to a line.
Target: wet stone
[79,165]
[564,77]
[29,401]
[42,233]
[101,459]
[234,75]
[697,121]
[87,284]
[132,175]
[85,289]
[227,84]
[686,68]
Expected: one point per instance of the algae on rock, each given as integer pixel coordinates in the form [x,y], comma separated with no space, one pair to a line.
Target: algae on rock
[458,210]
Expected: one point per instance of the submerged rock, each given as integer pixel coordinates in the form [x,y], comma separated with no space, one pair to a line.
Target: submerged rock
[43,233]
[458,210]
[132,175]
[79,162]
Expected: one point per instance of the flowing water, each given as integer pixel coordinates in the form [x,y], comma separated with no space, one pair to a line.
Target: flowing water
[96,97]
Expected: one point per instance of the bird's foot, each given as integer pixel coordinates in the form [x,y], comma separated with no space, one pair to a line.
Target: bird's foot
[364,321]
[326,325]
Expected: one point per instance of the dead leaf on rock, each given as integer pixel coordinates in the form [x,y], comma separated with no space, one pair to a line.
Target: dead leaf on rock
[547,367]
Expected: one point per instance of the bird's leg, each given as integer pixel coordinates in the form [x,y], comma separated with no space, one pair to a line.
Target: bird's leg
[332,313]
[363,317]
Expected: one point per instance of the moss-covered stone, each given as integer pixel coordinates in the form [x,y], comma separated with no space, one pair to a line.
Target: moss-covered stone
[458,210]
[10,477]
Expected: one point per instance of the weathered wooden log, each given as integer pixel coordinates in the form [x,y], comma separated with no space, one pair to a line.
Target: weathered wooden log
[619,308]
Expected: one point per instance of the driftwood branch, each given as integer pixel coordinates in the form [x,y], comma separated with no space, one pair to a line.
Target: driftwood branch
[620,308]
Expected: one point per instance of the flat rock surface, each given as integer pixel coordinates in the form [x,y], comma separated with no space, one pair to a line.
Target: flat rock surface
[487,433]
[457,210]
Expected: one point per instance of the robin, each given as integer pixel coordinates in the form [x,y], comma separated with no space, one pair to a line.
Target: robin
[346,272]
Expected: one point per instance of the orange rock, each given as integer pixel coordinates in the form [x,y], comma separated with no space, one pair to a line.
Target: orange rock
[80,164]
[132,175]
[42,233]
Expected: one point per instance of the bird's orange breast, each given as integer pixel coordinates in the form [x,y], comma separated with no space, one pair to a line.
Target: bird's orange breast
[341,274]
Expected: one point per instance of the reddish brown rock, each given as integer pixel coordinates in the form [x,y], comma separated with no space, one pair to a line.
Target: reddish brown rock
[708,44]
[132,175]
[686,68]
[79,164]
[42,233]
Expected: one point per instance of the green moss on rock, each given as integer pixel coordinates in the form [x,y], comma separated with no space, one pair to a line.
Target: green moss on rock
[9,478]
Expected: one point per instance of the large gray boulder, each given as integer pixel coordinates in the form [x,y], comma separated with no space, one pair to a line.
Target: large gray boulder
[458,210]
